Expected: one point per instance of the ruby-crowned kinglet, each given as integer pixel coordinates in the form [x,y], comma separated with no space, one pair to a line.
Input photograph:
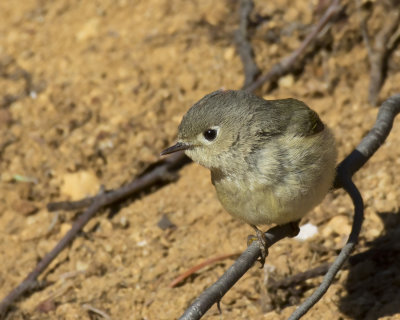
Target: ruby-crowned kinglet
[270,161]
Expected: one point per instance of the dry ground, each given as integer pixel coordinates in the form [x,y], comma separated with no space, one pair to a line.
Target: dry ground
[109,82]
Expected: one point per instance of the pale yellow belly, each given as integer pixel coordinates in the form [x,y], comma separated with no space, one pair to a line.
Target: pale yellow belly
[260,205]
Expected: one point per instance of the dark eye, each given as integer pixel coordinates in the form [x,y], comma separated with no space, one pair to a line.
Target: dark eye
[210,134]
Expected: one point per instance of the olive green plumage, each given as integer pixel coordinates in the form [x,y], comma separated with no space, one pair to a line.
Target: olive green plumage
[270,161]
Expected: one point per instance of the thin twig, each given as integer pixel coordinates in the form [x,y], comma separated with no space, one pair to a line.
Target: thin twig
[353,162]
[363,16]
[101,313]
[300,277]
[200,266]
[48,303]
[243,44]
[285,65]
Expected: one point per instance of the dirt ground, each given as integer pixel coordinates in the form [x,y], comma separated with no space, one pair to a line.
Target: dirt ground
[92,91]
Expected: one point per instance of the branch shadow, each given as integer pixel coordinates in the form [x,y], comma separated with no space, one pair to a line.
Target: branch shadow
[373,285]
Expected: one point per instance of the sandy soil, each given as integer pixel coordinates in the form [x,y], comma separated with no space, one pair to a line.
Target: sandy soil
[92,91]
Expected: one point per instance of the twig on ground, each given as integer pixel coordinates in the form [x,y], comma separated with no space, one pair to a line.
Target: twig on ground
[285,65]
[298,278]
[200,266]
[364,15]
[243,45]
[7,143]
[369,144]
[101,313]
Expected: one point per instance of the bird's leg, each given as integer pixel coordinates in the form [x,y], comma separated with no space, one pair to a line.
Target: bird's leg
[262,242]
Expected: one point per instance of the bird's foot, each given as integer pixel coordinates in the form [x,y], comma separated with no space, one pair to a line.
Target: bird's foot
[262,242]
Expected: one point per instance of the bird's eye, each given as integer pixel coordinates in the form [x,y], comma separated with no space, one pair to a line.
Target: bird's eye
[210,134]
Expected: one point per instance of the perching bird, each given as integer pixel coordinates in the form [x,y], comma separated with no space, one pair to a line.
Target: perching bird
[271,161]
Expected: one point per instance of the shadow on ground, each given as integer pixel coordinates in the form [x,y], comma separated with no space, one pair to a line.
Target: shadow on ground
[373,285]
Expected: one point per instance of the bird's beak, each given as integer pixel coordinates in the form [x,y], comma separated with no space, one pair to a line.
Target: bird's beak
[176,147]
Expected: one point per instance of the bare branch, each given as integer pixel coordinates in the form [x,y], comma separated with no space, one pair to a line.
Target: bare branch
[243,45]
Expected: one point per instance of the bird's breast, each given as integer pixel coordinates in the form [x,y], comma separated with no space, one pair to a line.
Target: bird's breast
[246,200]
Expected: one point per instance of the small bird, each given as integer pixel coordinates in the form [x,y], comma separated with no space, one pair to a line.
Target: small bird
[271,161]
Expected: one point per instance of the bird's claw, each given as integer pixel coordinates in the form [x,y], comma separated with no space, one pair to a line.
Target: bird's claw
[262,243]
